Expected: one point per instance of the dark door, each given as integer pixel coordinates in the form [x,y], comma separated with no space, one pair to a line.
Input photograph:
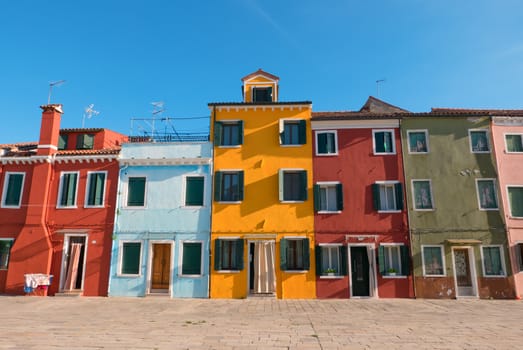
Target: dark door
[360,271]
[251,267]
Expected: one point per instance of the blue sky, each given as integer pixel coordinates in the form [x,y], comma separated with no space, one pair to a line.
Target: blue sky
[123,55]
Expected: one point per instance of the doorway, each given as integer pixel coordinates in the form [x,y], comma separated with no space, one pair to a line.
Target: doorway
[160,268]
[73,264]
[262,274]
[464,272]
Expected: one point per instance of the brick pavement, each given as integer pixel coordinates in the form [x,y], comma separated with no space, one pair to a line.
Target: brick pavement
[258,323]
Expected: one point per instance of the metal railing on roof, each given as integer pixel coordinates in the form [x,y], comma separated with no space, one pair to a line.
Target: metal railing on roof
[170,137]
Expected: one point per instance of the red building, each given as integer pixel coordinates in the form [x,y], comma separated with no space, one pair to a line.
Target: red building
[58,207]
[361,227]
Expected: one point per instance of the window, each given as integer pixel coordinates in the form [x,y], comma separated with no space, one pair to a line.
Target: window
[387,196]
[422,195]
[5,250]
[62,141]
[331,259]
[228,254]
[326,143]
[292,132]
[479,141]
[13,189]
[95,192]
[393,259]
[294,254]
[433,262]
[383,141]
[192,258]
[85,141]
[328,197]
[228,186]
[136,191]
[418,141]
[515,199]
[67,190]
[130,258]
[493,264]
[228,133]
[292,185]
[487,194]
[519,255]
[194,191]
[262,94]
[514,143]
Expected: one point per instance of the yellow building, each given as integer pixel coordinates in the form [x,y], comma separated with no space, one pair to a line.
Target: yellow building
[262,210]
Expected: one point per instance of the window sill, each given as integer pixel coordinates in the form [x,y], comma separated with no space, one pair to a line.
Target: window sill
[128,276]
[229,202]
[418,153]
[296,271]
[327,154]
[72,207]
[298,201]
[229,271]
[431,209]
[293,145]
[10,207]
[94,206]
[434,275]
[495,276]
[193,206]
[229,146]
[131,208]
[329,212]
[385,154]
[516,217]
[190,276]
[489,209]
[389,211]
[394,277]
[331,277]
[480,152]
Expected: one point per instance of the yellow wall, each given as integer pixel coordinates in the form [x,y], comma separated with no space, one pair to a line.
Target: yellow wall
[260,157]
[259,81]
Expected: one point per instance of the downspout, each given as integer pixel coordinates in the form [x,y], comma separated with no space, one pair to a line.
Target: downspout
[211,170]
[407,207]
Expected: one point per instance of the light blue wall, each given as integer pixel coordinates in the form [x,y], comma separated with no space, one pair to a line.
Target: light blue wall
[164,216]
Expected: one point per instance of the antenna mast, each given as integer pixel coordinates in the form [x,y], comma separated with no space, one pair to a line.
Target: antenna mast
[89,112]
[51,84]
[378,86]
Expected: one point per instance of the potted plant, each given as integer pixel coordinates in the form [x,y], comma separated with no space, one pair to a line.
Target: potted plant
[391,271]
[330,272]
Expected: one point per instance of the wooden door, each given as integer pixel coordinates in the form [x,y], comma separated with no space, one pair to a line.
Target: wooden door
[161,266]
[359,272]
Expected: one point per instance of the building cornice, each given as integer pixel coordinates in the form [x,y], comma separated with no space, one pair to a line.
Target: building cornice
[165,161]
[58,160]
[355,124]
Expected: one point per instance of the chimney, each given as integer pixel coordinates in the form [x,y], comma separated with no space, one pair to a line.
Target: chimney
[49,129]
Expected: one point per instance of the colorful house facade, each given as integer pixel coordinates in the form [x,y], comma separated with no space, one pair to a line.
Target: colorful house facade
[162,227]
[458,236]
[58,206]
[262,231]
[361,229]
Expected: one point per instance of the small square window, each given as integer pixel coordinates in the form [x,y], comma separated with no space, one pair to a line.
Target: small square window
[326,143]
[68,189]
[479,141]
[487,194]
[95,189]
[492,257]
[383,141]
[228,186]
[85,141]
[433,262]
[13,189]
[228,254]
[515,199]
[293,132]
[330,257]
[192,258]
[228,134]
[514,143]
[393,259]
[422,193]
[294,254]
[136,191]
[328,197]
[262,94]
[130,258]
[387,196]
[418,142]
[292,185]
[194,189]
[5,251]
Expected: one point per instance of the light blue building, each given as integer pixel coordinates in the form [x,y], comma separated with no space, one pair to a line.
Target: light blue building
[162,225]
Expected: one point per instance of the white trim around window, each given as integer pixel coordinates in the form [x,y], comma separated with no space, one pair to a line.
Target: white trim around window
[317,133]
[5,190]
[184,191]
[503,271]
[482,205]
[512,134]
[487,140]
[125,184]
[60,190]
[507,187]
[442,257]
[431,195]
[120,258]
[393,141]
[425,146]
[180,258]
[88,187]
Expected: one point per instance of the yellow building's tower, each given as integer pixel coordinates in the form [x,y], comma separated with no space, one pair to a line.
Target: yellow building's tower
[262,210]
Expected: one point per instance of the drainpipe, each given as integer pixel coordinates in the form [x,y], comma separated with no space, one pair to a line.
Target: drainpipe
[211,170]
[407,207]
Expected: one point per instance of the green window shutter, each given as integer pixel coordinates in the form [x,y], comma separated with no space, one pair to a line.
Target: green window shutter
[381,259]
[217,254]
[519,255]
[339,196]
[217,133]
[343,263]
[303,183]
[405,260]
[96,189]
[136,192]
[240,132]
[515,197]
[131,258]
[282,132]
[194,190]
[62,141]
[306,254]
[399,196]
[317,255]
[283,254]
[280,184]
[269,94]
[240,185]
[14,189]
[322,143]
[192,258]
[376,196]
[217,186]
[379,142]
[302,132]
[68,197]
[239,254]
[317,199]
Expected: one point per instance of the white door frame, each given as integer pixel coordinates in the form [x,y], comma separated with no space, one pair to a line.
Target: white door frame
[249,241]
[148,280]
[65,256]
[373,290]
[473,276]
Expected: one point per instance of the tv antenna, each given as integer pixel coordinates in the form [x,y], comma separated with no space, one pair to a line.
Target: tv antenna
[89,112]
[51,84]
[378,86]
[158,107]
